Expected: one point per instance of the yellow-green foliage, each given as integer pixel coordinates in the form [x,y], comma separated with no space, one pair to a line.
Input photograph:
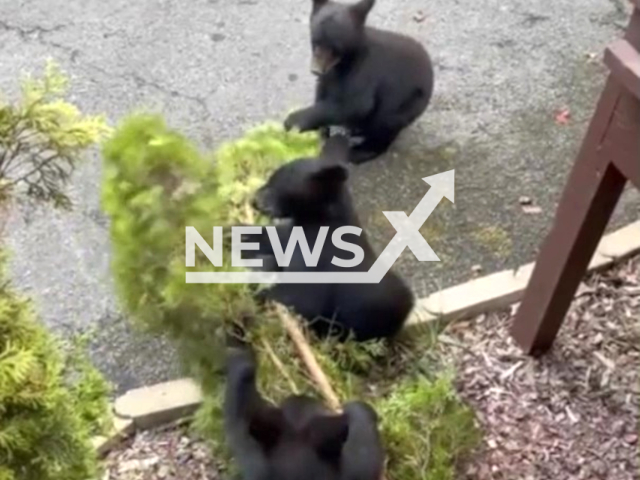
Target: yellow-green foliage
[426,427]
[52,400]
[51,403]
[156,183]
[243,165]
[42,138]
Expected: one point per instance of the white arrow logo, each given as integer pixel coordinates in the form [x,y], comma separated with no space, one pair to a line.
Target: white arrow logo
[407,235]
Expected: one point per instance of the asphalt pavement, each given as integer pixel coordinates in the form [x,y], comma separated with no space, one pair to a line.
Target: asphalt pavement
[504,69]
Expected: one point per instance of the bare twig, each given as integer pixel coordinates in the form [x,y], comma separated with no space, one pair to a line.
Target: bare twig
[279,365]
[36,169]
[300,342]
[309,359]
[8,156]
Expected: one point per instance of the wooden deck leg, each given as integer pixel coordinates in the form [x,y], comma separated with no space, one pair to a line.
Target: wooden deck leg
[587,202]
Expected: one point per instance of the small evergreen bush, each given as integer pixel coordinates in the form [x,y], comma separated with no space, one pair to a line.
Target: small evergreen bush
[42,139]
[155,184]
[52,400]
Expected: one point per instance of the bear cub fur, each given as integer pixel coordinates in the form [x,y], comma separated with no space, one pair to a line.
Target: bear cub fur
[310,193]
[299,439]
[371,82]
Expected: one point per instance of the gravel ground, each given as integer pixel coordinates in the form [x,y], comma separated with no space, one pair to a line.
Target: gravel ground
[573,414]
[169,453]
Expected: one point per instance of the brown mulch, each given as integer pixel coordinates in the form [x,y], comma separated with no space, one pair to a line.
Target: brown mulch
[573,413]
[168,453]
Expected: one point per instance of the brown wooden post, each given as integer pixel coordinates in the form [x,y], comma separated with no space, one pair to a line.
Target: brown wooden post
[608,158]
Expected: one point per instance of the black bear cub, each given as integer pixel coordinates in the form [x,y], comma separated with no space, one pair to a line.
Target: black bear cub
[300,439]
[311,193]
[372,82]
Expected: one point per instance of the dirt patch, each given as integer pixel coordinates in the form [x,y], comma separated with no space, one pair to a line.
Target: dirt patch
[572,414]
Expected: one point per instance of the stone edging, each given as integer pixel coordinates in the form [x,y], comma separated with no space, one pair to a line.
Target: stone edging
[148,407]
[164,403]
[501,289]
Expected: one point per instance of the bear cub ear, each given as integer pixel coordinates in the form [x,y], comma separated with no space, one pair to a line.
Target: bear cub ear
[317,4]
[361,10]
[327,435]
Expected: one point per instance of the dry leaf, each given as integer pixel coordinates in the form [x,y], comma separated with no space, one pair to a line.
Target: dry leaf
[563,116]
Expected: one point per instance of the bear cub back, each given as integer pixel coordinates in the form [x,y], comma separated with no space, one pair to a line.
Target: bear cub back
[299,439]
[312,194]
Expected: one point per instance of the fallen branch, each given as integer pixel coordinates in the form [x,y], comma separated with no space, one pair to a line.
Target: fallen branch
[308,358]
[301,344]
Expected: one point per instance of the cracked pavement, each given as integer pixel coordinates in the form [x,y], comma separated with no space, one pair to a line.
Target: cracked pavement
[215,68]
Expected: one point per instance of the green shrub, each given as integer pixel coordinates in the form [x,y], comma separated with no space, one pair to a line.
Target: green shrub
[51,403]
[42,139]
[155,184]
[426,428]
[52,400]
